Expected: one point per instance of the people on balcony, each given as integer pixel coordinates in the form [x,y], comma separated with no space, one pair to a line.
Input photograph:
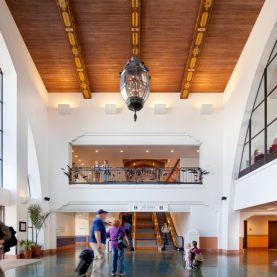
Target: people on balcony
[258,156]
[96,172]
[106,171]
[273,147]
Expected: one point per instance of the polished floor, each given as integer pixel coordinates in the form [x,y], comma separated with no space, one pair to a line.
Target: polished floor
[252,264]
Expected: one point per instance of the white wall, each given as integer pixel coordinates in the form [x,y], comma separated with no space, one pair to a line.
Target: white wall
[257,187]
[238,100]
[25,99]
[65,224]
[189,162]
[88,124]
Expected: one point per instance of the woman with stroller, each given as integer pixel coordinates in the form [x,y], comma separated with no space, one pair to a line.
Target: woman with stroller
[196,256]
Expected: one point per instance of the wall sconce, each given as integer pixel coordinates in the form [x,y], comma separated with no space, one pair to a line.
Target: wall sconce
[159,109]
[110,109]
[23,199]
[64,109]
[206,109]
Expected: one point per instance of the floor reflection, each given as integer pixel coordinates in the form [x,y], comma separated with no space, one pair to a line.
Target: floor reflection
[251,264]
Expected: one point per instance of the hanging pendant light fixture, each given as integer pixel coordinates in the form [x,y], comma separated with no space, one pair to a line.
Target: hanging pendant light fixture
[135,78]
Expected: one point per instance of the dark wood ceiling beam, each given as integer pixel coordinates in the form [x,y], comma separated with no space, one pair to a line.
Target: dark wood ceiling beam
[71,33]
[135,27]
[201,25]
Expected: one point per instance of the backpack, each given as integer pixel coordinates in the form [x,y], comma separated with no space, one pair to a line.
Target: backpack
[10,242]
[121,242]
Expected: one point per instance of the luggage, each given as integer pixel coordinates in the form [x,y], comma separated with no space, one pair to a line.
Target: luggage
[86,258]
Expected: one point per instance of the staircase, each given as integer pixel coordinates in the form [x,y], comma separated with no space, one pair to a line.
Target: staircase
[161,220]
[145,232]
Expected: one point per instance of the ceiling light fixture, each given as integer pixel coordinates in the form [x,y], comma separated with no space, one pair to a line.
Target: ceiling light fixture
[171,150]
[110,108]
[96,151]
[76,156]
[80,160]
[135,78]
[146,150]
[121,151]
[159,109]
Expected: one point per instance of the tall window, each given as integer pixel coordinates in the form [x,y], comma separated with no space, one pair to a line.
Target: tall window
[1,128]
[260,146]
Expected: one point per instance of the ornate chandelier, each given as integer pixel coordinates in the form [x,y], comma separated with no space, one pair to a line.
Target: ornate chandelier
[135,78]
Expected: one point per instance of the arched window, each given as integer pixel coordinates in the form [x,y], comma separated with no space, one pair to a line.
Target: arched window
[260,146]
[1,128]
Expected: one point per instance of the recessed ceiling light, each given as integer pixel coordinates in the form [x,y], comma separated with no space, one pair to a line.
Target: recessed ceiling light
[80,160]
[83,164]
[134,163]
[146,150]
[96,151]
[76,156]
[171,150]
[197,150]
[72,151]
[153,163]
[121,151]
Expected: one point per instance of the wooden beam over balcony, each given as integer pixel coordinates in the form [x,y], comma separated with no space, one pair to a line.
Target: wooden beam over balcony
[71,33]
[135,27]
[203,17]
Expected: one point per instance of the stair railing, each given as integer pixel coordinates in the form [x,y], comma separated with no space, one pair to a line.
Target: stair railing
[157,229]
[172,229]
[134,228]
[121,218]
[174,169]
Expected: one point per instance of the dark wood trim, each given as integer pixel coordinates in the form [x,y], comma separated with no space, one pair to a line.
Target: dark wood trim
[201,25]
[71,33]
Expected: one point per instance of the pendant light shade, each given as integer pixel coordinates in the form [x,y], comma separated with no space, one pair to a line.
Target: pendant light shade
[134,84]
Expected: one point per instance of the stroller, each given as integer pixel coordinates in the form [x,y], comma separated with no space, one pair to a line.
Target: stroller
[86,258]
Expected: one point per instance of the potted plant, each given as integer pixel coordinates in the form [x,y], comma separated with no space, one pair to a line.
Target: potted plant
[20,254]
[38,218]
[27,245]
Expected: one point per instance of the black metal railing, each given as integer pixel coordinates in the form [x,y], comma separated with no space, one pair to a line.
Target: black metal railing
[127,175]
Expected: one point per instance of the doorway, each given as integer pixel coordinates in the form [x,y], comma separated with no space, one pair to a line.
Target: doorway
[245,234]
[272,234]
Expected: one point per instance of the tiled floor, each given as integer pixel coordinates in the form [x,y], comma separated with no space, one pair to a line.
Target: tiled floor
[252,264]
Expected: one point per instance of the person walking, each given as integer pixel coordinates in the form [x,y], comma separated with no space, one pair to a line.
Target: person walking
[106,171]
[115,233]
[165,232]
[128,228]
[5,235]
[98,237]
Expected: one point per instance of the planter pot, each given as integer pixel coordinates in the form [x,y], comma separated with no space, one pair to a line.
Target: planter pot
[20,254]
[36,251]
[27,254]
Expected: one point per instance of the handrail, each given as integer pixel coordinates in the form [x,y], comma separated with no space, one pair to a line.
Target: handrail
[172,229]
[120,219]
[157,229]
[173,170]
[129,175]
[134,228]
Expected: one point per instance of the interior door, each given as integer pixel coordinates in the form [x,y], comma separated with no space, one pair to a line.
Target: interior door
[245,234]
[272,234]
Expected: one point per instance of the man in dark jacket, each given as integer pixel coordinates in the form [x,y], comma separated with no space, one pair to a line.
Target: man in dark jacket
[5,235]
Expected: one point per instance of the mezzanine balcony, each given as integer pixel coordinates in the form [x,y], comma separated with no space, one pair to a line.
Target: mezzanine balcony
[138,175]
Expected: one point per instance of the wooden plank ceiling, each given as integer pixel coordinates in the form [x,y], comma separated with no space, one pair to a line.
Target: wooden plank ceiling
[103,29]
